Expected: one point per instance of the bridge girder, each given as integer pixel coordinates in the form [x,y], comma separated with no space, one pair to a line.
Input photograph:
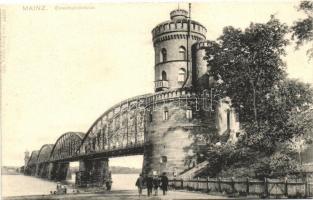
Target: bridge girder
[66,146]
[44,153]
[122,126]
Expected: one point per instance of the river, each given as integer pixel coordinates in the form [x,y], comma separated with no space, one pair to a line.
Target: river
[18,185]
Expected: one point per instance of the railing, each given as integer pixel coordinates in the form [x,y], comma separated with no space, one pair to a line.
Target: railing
[244,187]
[160,84]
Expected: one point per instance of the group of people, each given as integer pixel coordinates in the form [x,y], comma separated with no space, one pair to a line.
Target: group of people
[152,183]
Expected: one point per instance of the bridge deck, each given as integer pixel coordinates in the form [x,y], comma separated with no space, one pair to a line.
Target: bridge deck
[136,149]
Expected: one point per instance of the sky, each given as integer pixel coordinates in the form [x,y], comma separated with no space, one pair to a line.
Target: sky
[64,66]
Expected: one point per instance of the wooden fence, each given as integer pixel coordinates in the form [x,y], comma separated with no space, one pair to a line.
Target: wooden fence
[275,188]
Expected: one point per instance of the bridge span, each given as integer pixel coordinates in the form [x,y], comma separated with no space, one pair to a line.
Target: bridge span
[164,127]
[158,126]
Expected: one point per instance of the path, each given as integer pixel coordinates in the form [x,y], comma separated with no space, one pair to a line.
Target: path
[121,195]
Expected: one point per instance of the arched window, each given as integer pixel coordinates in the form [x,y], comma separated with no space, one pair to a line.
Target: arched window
[163,55]
[182,53]
[181,75]
[164,76]
[165,114]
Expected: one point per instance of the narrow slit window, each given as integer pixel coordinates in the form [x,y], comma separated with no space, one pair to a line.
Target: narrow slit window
[163,55]
[165,114]
[150,117]
[189,113]
[228,119]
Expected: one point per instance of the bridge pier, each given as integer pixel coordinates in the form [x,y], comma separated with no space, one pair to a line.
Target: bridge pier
[32,170]
[57,171]
[62,171]
[51,167]
[41,170]
[92,173]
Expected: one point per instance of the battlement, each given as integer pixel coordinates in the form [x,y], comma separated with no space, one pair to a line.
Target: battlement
[178,25]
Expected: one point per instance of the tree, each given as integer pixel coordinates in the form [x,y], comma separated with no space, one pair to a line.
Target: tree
[283,102]
[248,68]
[302,30]
[250,62]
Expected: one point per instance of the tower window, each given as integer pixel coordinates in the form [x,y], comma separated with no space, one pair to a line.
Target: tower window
[228,119]
[182,53]
[181,75]
[189,113]
[150,117]
[165,114]
[164,76]
[163,159]
[163,55]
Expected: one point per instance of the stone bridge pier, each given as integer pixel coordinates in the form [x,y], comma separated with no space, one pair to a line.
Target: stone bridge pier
[92,173]
[42,170]
[58,171]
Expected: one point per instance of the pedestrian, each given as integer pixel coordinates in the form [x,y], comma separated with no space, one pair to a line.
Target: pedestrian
[149,181]
[108,184]
[139,184]
[164,183]
[156,184]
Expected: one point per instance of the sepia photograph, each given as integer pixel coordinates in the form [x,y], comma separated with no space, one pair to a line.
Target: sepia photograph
[156,100]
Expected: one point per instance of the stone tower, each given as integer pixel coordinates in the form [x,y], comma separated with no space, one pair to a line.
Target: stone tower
[174,125]
[26,158]
[172,41]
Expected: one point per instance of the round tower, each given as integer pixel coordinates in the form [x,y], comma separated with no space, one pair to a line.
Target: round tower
[172,41]
[26,157]
[202,80]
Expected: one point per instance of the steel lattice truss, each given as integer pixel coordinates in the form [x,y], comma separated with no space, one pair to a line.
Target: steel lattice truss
[44,153]
[33,158]
[121,127]
[66,146]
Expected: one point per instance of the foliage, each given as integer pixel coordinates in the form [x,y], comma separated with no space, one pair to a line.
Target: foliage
[273,110]
[250,62]
[302,30]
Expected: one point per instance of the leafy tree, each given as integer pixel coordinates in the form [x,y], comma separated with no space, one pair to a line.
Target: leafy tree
[250,62]
[282,103]
[302,30]
[248,68]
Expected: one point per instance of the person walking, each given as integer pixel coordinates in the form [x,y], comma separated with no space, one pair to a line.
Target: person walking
[149,181]
[156,184]
[164,183]
[139,184]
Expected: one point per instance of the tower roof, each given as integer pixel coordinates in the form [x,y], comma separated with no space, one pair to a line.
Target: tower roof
[178,14]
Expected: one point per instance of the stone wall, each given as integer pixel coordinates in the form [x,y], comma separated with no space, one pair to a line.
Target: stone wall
[170,139]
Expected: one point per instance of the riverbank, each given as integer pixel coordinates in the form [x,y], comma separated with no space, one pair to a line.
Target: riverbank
[119,195]
[20,185]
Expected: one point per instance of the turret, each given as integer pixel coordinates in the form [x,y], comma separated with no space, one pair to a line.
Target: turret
[172,41]
[26,157]
[202,79]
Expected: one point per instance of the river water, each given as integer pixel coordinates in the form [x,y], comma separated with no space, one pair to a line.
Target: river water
[18,185]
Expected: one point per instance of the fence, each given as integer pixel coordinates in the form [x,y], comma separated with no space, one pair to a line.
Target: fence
[244,187]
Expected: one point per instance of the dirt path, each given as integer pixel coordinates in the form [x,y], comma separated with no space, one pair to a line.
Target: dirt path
[122,195]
